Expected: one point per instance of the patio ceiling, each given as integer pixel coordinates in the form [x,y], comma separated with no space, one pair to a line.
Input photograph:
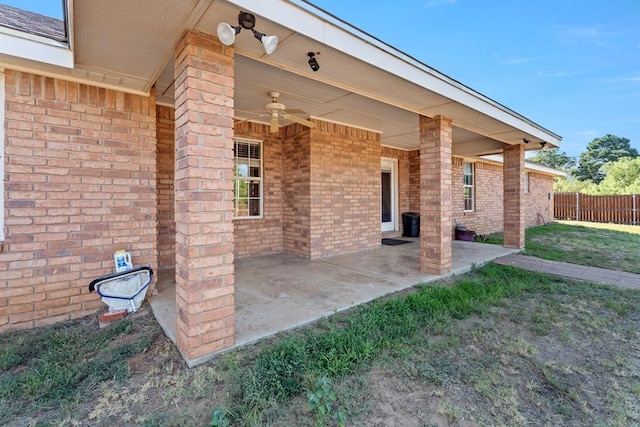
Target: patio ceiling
[130,44]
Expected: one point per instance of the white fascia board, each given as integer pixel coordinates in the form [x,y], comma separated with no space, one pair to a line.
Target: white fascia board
[543,169]
[304,18]
[497,158]
[35,48]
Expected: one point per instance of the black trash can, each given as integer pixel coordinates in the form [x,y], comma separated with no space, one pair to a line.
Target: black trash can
[411,224]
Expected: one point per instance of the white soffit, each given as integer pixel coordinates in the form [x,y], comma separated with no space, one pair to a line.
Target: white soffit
[302,17]
[147,28]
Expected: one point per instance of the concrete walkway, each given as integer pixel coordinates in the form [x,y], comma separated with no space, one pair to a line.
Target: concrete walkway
[573,271]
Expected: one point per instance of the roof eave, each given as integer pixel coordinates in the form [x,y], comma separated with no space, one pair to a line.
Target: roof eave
[330,30]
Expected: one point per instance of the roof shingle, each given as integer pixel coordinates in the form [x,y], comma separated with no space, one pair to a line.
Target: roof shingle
[32,23]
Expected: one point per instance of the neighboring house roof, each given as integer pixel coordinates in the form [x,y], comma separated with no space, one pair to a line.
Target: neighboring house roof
[536,167]
[32,23]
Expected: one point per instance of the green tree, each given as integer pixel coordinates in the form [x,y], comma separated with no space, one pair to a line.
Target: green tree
[621,177]
[569,184]
[554,158]
[609,148]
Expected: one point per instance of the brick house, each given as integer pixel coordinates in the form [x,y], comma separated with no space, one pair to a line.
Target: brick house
[134,127]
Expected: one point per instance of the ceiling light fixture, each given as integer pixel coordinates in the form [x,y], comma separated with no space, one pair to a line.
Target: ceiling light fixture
[543,145]
[526,141]
[227,33]
[313,62]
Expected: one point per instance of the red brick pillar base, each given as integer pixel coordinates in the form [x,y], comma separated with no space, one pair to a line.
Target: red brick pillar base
[435,195]
[204,196]
[513,177]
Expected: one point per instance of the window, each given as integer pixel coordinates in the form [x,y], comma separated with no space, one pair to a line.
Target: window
[467,170]
[247,186]
[526,182]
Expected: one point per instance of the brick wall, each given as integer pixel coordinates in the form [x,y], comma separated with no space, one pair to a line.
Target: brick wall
[487,216]
[414,181]
[513,173]
[538,205]
[204,71]
[345,190]
[80,184]
[435,194]
[164,185]
[296,181]
[263,236]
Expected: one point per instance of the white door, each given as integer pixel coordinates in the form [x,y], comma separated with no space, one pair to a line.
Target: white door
[389,194]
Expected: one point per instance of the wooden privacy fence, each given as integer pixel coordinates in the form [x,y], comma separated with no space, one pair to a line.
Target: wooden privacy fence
[583,207]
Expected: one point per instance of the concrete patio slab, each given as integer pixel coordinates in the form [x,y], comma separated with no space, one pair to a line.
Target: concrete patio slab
[279,292]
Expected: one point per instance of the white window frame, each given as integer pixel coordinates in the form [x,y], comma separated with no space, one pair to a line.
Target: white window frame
[526,182]
[471,186]
[2,159]
[237,179]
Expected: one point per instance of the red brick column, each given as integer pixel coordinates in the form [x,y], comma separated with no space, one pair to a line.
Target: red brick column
[204,195]
[435,195]
[513,177]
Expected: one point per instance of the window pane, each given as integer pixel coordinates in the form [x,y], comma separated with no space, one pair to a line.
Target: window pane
[254,189]
[254,207]
[254,151]
[468,186]
[241,207]
[242,169]
[468,205]
[386,196]
[242,150]
[248,183]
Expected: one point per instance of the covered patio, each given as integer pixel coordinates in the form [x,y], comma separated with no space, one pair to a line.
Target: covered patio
[184,148]
[279,292]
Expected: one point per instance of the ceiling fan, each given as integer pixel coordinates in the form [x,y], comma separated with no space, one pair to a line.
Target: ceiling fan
[275,110]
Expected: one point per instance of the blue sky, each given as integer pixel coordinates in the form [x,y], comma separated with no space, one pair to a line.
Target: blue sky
[44,7]
[572,66]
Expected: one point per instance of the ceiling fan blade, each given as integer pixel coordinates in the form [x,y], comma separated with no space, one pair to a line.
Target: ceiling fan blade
[251,118]
[302,121]
[241,121]
[296,112]
[251,110]
[273,124]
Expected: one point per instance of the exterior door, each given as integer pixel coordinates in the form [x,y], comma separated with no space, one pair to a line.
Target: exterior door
[389,195]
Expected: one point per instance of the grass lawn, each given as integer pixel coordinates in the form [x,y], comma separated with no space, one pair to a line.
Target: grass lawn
[498,346]
[610,246]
